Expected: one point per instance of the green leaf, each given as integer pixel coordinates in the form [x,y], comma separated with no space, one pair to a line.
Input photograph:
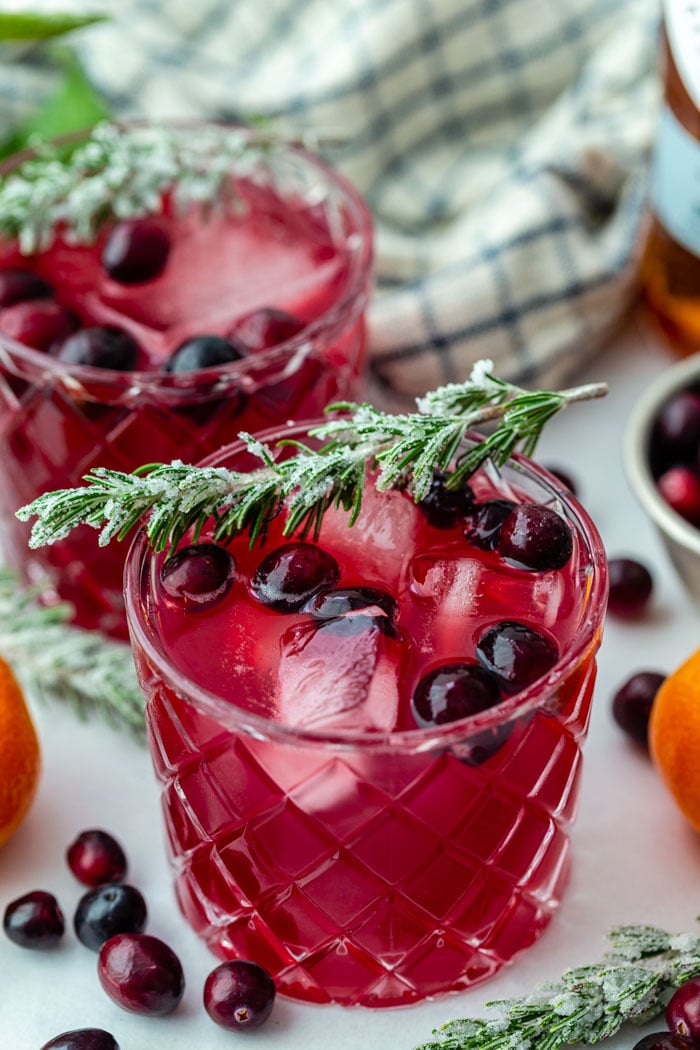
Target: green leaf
[29,25]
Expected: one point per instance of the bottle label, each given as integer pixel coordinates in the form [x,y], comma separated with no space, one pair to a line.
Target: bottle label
[675,181]
[682,23]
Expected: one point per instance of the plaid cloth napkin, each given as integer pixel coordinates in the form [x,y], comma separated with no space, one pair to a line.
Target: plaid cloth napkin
[501,144]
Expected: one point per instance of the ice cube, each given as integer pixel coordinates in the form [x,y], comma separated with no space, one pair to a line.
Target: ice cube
[339,674]
[453,586]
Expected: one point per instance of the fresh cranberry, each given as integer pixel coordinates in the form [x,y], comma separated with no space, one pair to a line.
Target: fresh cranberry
[535,538]
[483,522]
[327,604]
[264,328]
[39,323]
[82,1039]
[665,1041]
[104,346]
[95,857]
[679,486]
[631,586]
[136,250]
[288,577]
[676,434]
[442,506]
[107,910]
[141,973]
[564,477]
[516,654]
[17,286]
[239,995]
[632,703]
[453,691]
[683,1009]
[34,920]
[202,351]
[199,576]
[349,625]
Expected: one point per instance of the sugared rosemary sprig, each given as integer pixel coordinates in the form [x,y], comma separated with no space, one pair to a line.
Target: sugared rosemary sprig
[57,661]
[632,984]
[404,450]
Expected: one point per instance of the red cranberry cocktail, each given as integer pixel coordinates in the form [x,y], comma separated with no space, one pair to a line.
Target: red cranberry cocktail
[370,743]
[185,284]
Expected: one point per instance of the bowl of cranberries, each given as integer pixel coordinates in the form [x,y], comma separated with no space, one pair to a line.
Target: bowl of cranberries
[662,460]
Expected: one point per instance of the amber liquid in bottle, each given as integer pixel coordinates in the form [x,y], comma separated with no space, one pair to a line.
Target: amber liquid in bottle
[671,265]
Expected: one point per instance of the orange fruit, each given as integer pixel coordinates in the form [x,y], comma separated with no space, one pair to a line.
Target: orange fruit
[19,755]
[674,736]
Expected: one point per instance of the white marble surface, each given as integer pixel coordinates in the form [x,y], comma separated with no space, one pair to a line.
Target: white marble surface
[635,859]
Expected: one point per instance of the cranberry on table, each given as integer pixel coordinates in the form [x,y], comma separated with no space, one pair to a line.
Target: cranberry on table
[107,910]
[20,285]
[264,328]
[103,346]
[516,654]
[483,523]
[141,973]
[82,1039]
[453,691]
[328,604]
[39,324]
[288,577]
[679,486]
[136,250]
[563,476]
[683,1009]
[443,506]
[535,538]
[633,701]
[631,586]
[665,1041]
[95,857]
[198,576]
[239,995]
[202,351]
[34,920]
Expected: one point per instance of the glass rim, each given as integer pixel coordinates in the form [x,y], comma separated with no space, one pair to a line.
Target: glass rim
[420,739]
[341,311]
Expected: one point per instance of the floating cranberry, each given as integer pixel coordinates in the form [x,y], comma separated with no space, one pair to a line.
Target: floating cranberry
[328,604]
[199,576]
[39,324]
[18,286]
[104,346]
[34,920]
[82,1039]
[288,577]
[535,538]
[239,995]
[516,654]
[631,586]
[676,434]
[453,691]
[95,857]
[141,973]
[632,703]
[202,351]
[683,1009]
[483,522]
[679,486]
[107,910]
[442,506]
[136,250]
[665,1041]
[264,328]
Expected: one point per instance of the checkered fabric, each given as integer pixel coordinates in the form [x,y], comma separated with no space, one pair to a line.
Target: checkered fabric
[501,144]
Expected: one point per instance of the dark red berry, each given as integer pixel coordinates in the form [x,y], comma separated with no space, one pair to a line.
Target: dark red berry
[516,654]
[535,538]
[136,250]
[202,351]
[453,691]
[564,477]
[141,973]
[82,1039]
[239,995]
[288,577]
[17,286]
[632,703]
[683,1009]
[34,920]
[631,585]
[264,328]
[106,910]
[679,486]
[676,434]
[199,576]
[95,857]
[39,324]
[442,506]
[665,1041]
[483,522]
[327,604]
[104,346]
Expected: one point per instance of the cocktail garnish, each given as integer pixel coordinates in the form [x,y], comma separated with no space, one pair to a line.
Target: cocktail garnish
[404,450]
